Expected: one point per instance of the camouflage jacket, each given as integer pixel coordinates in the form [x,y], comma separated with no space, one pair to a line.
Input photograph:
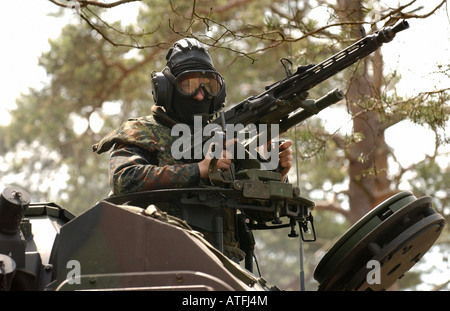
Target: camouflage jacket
[141,158]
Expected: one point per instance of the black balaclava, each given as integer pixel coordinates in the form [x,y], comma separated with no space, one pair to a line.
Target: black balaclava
[185,108]
[189,54]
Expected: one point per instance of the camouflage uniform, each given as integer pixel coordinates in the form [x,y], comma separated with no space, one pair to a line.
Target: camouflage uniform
[141,160]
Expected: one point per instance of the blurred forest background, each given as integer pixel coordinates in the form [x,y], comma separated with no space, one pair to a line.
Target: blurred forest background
[99,76]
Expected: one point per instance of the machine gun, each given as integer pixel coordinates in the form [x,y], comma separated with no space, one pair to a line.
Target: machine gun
[279,104]
[259,193]
[279,99]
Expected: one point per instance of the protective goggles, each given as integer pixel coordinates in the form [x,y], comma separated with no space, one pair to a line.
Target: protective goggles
[189,83]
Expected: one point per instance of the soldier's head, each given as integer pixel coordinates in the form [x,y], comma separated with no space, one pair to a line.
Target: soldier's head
[189,85]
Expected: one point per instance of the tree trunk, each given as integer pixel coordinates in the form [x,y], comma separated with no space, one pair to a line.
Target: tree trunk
[368,157]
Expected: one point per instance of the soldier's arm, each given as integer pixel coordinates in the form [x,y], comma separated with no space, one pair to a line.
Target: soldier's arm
[133,169]
[285,159]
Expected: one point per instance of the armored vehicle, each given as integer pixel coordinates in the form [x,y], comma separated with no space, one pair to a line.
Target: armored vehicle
[128,243]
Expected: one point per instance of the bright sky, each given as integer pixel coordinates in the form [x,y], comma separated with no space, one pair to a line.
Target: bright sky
[415,53]
[25,30]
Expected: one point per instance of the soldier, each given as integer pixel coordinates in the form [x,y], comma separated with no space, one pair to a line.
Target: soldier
[141,158]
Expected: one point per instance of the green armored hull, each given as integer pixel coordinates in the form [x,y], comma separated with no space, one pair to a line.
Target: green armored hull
[127,243]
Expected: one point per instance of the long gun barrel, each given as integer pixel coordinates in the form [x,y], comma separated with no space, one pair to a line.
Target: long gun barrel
[269,106]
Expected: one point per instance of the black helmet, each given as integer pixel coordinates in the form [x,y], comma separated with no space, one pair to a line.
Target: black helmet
[186,56]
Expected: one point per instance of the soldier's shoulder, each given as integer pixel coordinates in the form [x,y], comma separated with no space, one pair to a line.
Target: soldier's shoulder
[144,132]
[149,122]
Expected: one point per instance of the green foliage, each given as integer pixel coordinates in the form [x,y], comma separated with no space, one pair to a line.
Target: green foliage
[433,180]
[425,109]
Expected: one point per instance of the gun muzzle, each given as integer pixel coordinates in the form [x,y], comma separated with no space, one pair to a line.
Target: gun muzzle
[400,26]
[388,33]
